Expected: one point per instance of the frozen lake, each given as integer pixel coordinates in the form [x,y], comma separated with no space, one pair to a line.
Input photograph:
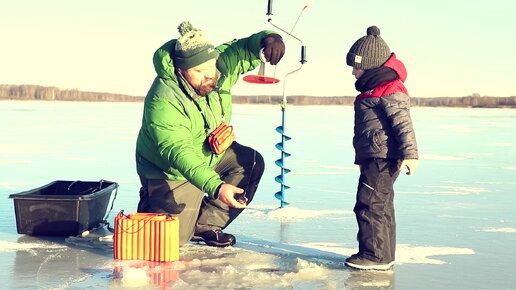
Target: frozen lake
[456,222]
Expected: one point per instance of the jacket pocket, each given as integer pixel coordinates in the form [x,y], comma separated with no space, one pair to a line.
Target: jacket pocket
[374,137]
[370,143]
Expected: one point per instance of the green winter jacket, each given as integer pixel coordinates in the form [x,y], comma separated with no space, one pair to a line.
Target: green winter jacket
[172,143]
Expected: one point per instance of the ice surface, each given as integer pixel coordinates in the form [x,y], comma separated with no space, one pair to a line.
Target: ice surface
[455,216]
[6,246]
[254,264]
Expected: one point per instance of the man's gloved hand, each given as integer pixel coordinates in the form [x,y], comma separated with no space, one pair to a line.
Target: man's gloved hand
[273,48]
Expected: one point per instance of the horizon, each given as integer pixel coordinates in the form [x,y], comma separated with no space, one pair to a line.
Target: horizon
[249,95]
[450,49]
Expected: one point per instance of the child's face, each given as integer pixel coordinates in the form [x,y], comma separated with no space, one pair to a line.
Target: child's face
[357,72]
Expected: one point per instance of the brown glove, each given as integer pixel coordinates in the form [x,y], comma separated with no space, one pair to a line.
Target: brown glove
[273,48]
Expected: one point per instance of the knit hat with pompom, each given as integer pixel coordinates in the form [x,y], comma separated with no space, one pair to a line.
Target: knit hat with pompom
[369,51]
[192,48]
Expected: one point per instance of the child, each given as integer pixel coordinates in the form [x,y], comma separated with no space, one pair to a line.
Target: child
[384,143]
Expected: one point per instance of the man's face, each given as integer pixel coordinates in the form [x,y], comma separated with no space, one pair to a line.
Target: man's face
[203,78]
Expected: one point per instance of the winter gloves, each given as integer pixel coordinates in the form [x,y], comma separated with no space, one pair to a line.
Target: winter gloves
[273,48]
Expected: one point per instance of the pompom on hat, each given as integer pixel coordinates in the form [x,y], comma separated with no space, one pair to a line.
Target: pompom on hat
[192,48]
[369,51]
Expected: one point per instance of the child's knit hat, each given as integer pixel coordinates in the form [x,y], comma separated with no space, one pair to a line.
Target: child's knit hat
[192,48]
[369,51]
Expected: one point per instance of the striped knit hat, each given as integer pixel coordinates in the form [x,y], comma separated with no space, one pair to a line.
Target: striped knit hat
[192,48]
[369,51]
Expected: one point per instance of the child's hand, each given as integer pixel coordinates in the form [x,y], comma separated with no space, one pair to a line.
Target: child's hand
[411,165]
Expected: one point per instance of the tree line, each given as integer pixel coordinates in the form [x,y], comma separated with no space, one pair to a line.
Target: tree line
[35,92]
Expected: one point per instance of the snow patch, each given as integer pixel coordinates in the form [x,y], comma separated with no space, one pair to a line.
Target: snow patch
[292,213]
[454,190]
[499,230]
[405,254]
[320,173]
[439,157]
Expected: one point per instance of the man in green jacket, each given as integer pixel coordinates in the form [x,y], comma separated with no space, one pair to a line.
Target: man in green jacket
[189,98]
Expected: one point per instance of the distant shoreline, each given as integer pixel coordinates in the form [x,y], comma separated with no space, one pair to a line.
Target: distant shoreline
[42,93]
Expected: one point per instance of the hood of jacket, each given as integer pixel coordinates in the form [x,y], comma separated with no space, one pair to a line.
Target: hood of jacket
[163,60]
[389,87]
[397,66]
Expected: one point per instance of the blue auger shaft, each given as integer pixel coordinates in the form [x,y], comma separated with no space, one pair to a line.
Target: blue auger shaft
[282,186]
[281,162]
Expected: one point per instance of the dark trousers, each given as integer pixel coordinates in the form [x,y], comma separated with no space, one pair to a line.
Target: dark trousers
[240,166]
[374,210]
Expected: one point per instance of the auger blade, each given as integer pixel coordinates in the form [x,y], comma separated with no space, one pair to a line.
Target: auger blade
[279,196]
[279,179]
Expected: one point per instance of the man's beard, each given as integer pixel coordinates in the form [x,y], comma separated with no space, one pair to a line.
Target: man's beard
[206,87]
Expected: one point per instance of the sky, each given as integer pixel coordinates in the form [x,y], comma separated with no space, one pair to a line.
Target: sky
[450,48]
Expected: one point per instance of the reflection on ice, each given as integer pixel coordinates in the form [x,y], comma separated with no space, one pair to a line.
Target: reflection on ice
[377,280]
